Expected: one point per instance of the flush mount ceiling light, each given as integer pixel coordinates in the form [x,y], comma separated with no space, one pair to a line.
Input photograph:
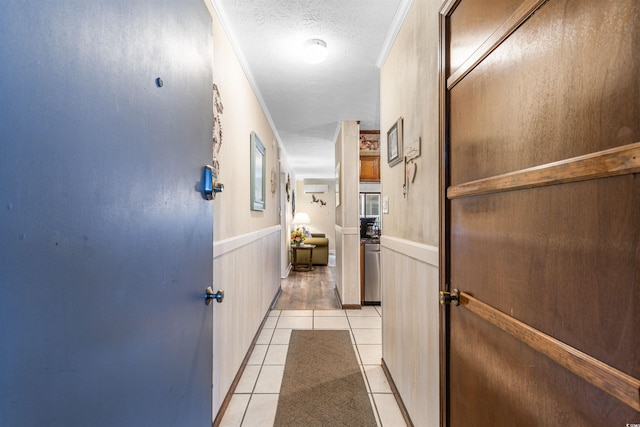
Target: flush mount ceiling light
[314,51]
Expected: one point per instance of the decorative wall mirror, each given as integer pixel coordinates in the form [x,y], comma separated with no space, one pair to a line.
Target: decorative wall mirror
[258,168]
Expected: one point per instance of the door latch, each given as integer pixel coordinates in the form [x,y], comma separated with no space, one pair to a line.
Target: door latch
[448,297]
[211,187]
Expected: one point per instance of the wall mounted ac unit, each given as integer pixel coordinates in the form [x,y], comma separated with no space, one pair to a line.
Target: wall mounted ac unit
[316,188]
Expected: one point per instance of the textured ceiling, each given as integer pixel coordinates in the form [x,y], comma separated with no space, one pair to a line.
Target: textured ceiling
[305,102]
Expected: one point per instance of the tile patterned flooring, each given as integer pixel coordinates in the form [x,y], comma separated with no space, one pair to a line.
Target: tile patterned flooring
[255,399]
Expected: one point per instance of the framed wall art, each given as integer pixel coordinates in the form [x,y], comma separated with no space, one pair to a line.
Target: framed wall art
[370,142]
[394,143]
[257,168]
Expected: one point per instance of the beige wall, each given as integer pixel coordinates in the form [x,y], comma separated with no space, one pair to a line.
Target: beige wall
[247,244]
[323,217]
[409,278]
[409,245]
[409,89]
[348,154]
[242,115]
[347,219]
[248,269]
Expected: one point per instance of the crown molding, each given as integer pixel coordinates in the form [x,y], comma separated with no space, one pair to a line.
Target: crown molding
[394,29]
[226,26]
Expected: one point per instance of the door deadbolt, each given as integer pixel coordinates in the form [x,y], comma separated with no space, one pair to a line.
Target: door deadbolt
[448,297]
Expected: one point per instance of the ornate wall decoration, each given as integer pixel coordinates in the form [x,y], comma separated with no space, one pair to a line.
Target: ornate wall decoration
[293,203]
[218,109]
[318,200]
[274,181]
[288,188]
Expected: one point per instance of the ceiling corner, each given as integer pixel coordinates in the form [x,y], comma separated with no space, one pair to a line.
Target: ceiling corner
[394,29]
[226,26]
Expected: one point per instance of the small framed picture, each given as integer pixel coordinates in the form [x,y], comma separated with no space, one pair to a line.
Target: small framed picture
[394,143]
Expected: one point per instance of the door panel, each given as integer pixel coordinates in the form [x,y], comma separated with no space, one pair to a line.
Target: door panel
[502,382]
[563,258]
[472,24]
[559,262]
[560,86]
[106,240]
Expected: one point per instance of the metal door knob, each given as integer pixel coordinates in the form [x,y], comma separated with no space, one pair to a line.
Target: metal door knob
[210,295]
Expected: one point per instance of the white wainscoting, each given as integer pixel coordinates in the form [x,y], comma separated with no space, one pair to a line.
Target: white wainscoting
[348,264]
[339,251]
[410,328]
[247,268]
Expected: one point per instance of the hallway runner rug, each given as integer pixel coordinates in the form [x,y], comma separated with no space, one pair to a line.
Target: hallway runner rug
[322,383]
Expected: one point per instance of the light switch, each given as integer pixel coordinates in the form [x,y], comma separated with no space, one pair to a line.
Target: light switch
[385,205]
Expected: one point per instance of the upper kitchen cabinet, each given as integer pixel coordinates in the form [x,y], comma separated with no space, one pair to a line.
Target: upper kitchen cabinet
[369,168]
[369,156]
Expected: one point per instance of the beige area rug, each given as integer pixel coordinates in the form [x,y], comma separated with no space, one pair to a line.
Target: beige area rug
[322,383]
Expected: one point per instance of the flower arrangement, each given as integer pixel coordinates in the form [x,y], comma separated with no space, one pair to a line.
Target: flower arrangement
[297,237]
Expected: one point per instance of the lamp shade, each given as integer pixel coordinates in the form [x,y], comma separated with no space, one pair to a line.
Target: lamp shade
[301,218]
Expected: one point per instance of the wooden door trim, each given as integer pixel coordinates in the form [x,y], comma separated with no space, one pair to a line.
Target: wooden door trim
[443,208]
[602,164]
[618,384]
[517,18]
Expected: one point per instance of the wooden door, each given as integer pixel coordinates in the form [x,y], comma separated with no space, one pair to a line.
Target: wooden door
[541,212]
[105,238]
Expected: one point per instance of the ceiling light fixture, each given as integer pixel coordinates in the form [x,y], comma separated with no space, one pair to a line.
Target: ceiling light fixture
[314,51]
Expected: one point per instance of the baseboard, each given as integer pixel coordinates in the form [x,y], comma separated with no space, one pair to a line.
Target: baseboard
[396,394]
[275,301]
[338,296]
[232,389]
[346,306]
[286,274]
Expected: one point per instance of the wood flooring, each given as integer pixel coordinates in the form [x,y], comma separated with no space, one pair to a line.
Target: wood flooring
[309,290]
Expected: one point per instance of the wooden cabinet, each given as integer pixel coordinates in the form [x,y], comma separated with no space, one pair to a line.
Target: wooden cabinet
[369,168]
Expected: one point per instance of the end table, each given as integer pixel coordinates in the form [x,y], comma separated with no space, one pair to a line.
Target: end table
[294,251]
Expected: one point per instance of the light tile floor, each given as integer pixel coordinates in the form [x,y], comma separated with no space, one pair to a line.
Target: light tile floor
[256,396]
